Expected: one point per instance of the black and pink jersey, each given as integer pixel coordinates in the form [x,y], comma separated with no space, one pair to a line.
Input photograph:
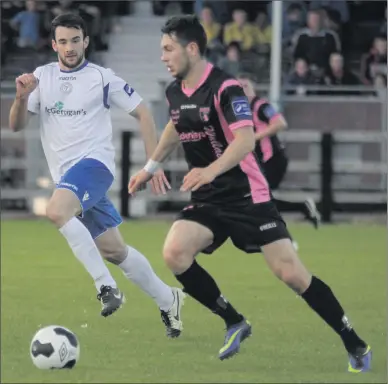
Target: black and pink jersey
[263,114]
[205,118]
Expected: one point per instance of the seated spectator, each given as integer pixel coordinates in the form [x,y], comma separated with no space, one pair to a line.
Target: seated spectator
[27,23]
[315,44]
[211,27]
[240,31]
[263,32]
[338,74]
[294,20]
[375,61]
[302,75]
[294,16]
[231,64]
[339,7]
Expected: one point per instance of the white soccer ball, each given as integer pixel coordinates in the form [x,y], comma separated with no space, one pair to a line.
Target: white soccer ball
[54,347]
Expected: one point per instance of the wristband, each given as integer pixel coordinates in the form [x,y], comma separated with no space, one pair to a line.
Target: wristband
[152,166]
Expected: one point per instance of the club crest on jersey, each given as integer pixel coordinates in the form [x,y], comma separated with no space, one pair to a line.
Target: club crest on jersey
[66,88]
[241,107]
[175,114]
[204,114]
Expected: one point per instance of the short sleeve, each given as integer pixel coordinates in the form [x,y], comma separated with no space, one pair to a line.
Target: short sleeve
[234,105]
[119,93]
[267,113]
[34,98]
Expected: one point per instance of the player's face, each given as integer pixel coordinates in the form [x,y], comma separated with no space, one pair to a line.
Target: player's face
[175,56]
[70,45]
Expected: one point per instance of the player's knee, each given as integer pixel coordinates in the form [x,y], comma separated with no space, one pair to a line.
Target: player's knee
[294,275]
[177,258]
[57,214]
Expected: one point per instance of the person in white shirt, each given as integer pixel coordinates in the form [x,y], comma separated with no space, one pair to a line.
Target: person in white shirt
[73,98]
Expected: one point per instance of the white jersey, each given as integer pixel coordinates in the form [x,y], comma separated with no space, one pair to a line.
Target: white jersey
[74,109]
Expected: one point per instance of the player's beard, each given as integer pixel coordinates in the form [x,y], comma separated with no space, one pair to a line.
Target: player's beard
[69,65]
[185,70]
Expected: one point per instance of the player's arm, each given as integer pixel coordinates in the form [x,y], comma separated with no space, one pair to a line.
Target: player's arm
[147,127]
[26,102]
[274,120]
[167,143]
[237,113]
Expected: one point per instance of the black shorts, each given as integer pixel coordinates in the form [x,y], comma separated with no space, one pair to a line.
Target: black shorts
[248,225]
[275,169]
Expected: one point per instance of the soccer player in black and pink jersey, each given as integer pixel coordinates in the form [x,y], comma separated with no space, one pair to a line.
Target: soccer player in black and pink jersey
[230,196]
[269,149]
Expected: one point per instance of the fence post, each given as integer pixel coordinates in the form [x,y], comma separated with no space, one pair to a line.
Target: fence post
[126,137]
[327,143]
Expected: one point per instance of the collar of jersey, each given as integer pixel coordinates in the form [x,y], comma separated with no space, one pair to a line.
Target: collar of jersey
[84,64]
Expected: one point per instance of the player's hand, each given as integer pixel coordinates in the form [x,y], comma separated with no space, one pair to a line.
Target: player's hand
[25,85]
[196,178]
[138,180]
[159,183]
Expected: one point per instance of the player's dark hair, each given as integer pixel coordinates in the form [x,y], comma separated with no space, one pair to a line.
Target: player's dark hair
[187,29]
[68,20]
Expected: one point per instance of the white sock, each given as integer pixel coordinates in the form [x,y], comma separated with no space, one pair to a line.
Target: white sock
[137,268]
[86,251]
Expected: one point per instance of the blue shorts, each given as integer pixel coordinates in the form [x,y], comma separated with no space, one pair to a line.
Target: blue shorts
[90,180]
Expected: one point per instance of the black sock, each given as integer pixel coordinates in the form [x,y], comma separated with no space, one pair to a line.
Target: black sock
[202,287]
[321,299]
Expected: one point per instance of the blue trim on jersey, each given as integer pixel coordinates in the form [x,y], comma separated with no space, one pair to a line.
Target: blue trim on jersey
[128,90]
[105,98]
[82,66]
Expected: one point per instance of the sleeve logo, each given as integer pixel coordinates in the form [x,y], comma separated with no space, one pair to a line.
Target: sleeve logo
[241,107]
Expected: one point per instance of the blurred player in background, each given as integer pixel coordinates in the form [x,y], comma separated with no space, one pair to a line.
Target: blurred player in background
[73,99]
[212,118]
[270,150]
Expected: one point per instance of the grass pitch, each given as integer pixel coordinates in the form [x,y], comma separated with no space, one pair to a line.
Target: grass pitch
[43,284]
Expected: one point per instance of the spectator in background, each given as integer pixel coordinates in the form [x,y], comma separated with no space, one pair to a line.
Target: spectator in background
[294,20]
[263,33]
[211,27]
[294,16]
[339,7]
[213,33]
[27,23]
[302,76]
[338,74]
[315,44]
[375,61]
[231,63]
[240,31]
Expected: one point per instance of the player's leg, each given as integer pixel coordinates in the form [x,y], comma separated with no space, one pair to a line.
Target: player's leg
[198,231]
[286,265]
[137,269]
[78,190]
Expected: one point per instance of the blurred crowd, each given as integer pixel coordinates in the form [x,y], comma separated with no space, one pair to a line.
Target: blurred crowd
[320,39]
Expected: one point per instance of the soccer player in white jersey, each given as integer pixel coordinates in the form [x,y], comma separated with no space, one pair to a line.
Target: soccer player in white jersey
[73,99]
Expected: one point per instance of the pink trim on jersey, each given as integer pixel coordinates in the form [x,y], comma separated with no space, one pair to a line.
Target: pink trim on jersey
[258,183]
[240,124]
[265,143]
[189,91]
[226,84]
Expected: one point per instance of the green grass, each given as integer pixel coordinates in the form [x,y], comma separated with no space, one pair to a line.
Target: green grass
[42,284]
